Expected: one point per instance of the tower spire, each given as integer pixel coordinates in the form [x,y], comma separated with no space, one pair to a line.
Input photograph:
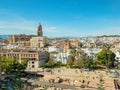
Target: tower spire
[39,23]
[39,32]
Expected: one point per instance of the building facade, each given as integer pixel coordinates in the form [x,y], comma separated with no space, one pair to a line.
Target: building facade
[66,45]
[35,58]
[54,49]
[38,42]
[23,40]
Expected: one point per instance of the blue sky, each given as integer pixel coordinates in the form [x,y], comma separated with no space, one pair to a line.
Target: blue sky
[60,17]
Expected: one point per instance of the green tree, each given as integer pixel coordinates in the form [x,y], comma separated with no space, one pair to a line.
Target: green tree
[52,64]
[73,53]
[78,62]
[106,57]
[8,64]
[12,68]
[12,65]
[76,58]
[24,64]
[70,63]
[89,63]
[80,44]
[86,62]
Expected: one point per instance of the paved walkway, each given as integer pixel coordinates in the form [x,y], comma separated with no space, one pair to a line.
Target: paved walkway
[57,85]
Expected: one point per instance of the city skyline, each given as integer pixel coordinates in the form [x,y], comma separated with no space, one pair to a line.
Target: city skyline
[60,18]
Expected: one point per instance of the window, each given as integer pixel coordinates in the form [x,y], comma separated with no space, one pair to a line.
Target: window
[32,62]
[33,66]
[117,57]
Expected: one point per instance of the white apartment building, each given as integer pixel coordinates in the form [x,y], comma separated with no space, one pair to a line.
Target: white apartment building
[54,49]
[91,52]
[9,46]
[117,56]
[61,57]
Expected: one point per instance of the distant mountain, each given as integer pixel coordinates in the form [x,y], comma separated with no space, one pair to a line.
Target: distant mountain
[109,36]
[4,36]
[67,37]
[77,37]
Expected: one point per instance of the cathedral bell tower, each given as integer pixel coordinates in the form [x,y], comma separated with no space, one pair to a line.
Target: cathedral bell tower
[39,32]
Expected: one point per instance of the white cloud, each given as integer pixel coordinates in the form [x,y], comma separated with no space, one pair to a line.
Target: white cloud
[18,26]
[12,23]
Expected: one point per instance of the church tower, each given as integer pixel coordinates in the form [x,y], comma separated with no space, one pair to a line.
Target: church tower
[39,32]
